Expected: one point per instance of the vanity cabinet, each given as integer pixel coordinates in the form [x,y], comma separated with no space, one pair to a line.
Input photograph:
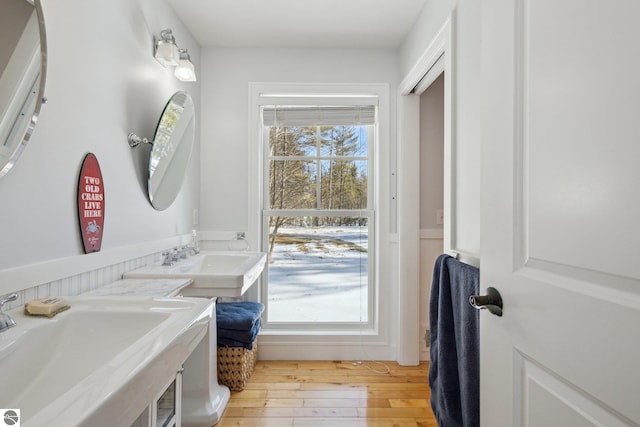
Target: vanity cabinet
[166,409]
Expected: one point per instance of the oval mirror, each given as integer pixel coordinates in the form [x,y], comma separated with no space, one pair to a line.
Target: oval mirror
[22,76]
[171,149]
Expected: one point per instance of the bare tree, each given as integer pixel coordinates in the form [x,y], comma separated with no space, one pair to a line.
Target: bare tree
[290,180]
[294,183]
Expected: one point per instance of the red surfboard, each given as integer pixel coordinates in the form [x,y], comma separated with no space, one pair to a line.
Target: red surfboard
[91,204]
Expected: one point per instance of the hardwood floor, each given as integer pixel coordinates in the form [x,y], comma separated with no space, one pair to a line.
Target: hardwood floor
[332,394]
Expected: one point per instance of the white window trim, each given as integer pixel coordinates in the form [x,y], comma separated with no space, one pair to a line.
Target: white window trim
[380,335]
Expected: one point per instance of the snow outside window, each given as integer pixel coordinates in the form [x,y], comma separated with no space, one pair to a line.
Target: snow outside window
[317,215]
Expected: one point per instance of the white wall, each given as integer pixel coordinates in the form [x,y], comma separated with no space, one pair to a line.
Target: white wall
[226,74]
[102,82]
[466,102]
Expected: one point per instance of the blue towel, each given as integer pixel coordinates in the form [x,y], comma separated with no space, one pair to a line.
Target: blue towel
[241,316]
[455,343]
[246,337]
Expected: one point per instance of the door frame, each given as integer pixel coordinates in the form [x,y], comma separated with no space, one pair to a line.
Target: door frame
[436,59]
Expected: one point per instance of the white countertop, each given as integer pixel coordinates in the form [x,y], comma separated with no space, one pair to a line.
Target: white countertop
[101,362]
[142,287]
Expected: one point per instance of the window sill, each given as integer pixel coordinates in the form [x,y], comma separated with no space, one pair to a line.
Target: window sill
[296,332]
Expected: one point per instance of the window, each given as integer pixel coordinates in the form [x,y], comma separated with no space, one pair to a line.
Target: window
[318,211]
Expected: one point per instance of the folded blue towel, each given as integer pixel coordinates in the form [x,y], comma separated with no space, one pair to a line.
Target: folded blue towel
[455,343]
[241,316]
[246,337]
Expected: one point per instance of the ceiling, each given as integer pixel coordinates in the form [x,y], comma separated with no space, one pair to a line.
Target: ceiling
[299,23]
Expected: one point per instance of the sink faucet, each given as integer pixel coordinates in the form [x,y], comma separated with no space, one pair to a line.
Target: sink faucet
[6,321]
[193,247]
[169,258]
[193,250]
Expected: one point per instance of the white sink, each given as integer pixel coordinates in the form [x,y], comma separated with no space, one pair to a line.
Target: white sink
[214,274]
[99,363]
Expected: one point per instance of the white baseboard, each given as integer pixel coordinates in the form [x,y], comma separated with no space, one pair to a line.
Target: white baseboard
[323,351]
[431,234]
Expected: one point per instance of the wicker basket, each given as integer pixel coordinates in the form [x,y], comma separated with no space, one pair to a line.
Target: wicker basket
[235,365]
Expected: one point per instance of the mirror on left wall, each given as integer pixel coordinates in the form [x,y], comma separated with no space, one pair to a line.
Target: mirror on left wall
[171,150]
[22,76]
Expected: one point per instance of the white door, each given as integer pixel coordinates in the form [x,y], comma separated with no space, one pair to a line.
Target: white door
[561,213]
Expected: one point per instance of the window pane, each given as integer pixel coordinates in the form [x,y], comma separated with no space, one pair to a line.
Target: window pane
[293,141]
[344,184]
[318,270]
[349,141]
[292,184]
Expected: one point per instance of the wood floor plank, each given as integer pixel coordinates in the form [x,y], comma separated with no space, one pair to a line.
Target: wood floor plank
[312,422]
[275,364]
[353,393]
[266,403]
[393,412]
[366,386]
[300,412]
[332,393]
[250,394]
[232,411]
[320,394]
[272,386]
[400,394]
[409,403]
[347,403]
[255,422]
[340,379]
[341,372]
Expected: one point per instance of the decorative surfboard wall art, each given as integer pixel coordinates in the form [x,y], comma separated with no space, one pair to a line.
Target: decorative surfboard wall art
[91,204]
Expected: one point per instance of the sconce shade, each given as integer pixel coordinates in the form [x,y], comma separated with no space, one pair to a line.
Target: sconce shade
[185,70]
[167,53]
[166,49]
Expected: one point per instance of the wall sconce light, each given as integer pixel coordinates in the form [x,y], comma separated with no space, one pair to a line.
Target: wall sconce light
[185,70]
[167,53]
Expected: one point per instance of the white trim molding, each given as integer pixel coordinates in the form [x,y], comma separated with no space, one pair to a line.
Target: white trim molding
[33,275]
[431,234]
[277,344]
[438,58]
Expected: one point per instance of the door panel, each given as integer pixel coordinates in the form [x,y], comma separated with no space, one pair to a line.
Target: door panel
[551,402]
[579,94]
[560,205]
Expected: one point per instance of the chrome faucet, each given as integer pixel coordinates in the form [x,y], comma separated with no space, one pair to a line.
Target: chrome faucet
[6,321]
[194,247]
[169,258]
